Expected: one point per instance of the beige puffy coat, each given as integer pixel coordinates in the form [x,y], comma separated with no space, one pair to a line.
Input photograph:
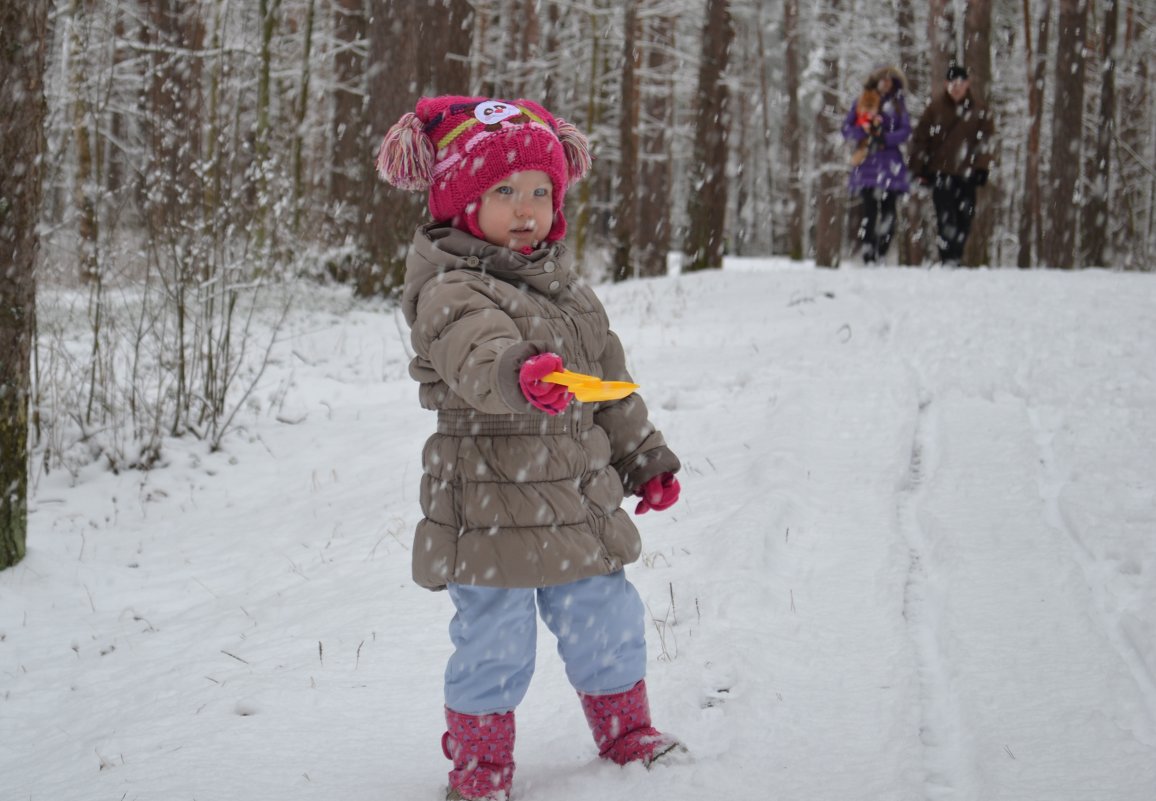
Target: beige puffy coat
[511,496]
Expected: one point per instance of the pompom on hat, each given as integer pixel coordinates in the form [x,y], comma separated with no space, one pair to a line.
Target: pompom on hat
[458,147]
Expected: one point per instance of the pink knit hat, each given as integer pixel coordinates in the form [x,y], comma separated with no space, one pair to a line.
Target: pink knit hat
[458,147]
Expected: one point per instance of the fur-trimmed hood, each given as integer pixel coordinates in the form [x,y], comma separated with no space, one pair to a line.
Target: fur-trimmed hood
[888,71]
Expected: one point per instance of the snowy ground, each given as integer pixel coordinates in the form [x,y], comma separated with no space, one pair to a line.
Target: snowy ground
[915,559]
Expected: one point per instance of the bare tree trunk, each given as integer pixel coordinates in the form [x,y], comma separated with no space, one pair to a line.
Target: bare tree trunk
[22,59]
[1031,220]
[84,188]
[1067,133]
[1135,165]
[829,201]
[583,215]
[413,51]
[977,56]
[793,132]
[301,112]
[172,36]
[706,212]
[657,101]
[626,213]
[549,79]
[768,191]
[912,236]
[349,180]
[942,35]
[1095,227]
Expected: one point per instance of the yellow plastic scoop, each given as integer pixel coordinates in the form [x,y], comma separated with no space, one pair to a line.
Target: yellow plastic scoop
[590,388]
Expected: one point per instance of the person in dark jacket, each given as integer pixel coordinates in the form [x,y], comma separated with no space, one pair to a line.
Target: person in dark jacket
[951,152]
[522,485]
[878,174]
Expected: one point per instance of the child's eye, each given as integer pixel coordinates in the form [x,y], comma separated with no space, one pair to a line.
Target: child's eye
[542,192]
[504,190]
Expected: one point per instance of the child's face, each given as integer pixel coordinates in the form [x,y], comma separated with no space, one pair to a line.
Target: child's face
[518,212]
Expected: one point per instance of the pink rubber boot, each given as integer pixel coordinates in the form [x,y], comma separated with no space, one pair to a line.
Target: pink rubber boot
[482,750]
[621,727]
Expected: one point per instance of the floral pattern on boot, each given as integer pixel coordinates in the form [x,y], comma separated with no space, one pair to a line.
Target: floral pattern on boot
[622,729]
[482,750]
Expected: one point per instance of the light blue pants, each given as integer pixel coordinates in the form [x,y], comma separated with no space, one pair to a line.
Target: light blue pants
[599,623]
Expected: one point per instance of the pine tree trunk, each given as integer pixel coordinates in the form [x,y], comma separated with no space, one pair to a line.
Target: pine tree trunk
[977,57]
[87,226]
[412,52]
[655,170]
[793,131]
[707,208]
[1135,149]
[1067,133]
[913,235]
[1095,226]
[829,202]
[302,111]
[1030,216]
[626,212]
[22,59]
[941,34]
[350,181]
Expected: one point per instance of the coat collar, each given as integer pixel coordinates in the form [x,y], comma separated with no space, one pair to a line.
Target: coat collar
[439,248]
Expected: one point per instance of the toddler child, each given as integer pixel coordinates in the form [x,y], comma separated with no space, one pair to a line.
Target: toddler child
[522,485]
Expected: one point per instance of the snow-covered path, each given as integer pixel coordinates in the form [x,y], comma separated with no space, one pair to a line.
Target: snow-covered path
[914,559]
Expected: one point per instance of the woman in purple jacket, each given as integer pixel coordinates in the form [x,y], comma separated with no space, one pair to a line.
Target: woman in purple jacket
[882,176]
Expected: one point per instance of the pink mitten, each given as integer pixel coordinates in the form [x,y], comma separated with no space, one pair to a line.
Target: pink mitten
[550,398]
[658,493]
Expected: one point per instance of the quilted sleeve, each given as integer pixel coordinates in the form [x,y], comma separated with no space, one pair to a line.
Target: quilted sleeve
[472,344]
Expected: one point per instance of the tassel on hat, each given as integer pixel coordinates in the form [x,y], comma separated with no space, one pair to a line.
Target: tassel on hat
[406,156]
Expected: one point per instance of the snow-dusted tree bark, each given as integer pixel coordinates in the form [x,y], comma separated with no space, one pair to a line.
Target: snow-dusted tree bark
[85,184]
[416,47]
[793,131]
[1031,215]
[829,200]
[941,35]
[349,176]
[1067,133]
[655,171]
[977,57]
[1135,194]
[172,36]
[1096,214]
[912,235]
[626,212]
[706,211]
[23,27]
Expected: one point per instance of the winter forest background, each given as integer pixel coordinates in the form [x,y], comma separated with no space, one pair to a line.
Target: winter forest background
[200,157]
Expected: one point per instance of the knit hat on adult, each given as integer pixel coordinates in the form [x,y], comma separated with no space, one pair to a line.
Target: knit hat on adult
[458,147]
[957,72]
